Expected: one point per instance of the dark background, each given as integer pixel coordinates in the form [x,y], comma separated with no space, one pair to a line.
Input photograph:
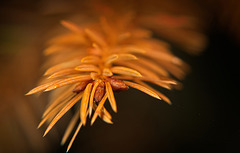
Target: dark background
[204,116]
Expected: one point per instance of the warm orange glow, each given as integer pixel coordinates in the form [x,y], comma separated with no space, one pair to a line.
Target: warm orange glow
[108,55]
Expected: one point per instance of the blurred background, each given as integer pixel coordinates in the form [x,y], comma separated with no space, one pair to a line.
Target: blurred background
[204,116]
